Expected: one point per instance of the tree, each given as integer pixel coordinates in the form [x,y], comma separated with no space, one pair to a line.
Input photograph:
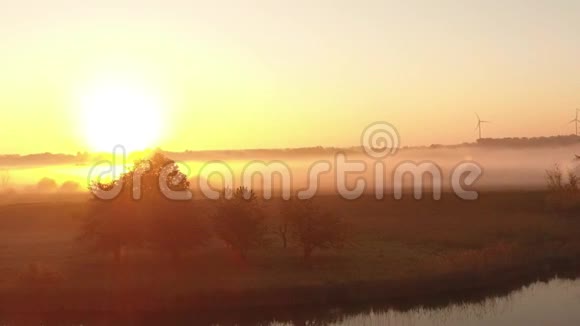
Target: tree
[149,218]
[239,221]
[284,226]
[112,227]
[176,231]
[47,185]
[175,228]
[313,229]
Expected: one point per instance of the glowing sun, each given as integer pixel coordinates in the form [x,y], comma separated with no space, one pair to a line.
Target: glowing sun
[121,113]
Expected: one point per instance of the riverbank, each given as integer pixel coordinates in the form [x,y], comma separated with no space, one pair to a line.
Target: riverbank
[402,253]
[325,305]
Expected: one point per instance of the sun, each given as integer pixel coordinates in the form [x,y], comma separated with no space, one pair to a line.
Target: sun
[120,112]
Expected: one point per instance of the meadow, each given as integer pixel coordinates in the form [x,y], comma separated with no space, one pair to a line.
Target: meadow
[399,251]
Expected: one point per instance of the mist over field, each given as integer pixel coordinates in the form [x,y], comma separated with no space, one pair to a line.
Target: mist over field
[503,168]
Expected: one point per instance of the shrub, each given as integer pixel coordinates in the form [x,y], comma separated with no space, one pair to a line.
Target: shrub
[563,197]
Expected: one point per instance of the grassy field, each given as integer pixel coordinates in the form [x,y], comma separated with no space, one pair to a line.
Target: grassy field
[398,249]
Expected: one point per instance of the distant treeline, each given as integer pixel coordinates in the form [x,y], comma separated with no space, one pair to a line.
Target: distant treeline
[82,158]
[44,159]
[534,141]
[551,141]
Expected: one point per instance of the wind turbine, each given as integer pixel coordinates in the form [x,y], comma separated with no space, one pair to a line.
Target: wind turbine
[479,122]
[576,121]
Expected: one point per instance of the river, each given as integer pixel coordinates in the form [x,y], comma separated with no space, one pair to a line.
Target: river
[556,302]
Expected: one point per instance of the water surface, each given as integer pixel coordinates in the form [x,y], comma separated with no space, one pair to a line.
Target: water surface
[554,303]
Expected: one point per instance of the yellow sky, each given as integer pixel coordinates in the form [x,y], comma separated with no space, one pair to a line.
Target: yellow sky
[263,74]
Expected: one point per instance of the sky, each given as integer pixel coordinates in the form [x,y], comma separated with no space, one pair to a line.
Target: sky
[278,74]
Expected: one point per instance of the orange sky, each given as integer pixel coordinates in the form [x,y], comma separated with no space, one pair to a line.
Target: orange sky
[263,74]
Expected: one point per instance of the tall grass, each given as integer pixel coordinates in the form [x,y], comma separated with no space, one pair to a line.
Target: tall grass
[564,194]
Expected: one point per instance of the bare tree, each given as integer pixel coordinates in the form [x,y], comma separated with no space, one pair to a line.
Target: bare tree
[557,182]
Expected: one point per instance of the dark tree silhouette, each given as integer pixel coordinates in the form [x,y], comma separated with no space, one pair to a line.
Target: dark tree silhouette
[112,228]
[175,231]
[126,221]
[239,221]
[284,226]
[312,228]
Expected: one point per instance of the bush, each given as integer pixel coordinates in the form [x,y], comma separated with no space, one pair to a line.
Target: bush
[563,197]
